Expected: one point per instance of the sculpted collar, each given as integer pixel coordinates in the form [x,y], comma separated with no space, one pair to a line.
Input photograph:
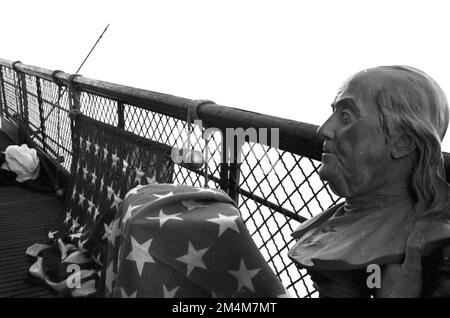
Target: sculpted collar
[335,240]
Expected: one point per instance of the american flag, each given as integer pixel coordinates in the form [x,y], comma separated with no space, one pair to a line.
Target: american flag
[181,241]
[107,163]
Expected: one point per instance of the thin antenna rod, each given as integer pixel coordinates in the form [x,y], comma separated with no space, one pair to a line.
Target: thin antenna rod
[98,40]
[79,68]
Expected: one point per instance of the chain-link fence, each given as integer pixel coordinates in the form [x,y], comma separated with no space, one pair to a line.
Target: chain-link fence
[276,187]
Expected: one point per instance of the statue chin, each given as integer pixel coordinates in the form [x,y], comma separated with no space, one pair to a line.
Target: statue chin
[336,182]
[338,189]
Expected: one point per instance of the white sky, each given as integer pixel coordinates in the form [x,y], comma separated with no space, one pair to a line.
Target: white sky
[279,57]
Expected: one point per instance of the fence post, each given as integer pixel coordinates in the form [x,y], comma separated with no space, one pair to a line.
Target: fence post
[73,95]
[5,109]
[21,90]
[2,94]
[229,171]
[224,171]
[74,108]
[24,97]
[76,98]
[120,115]
[234,174]
[41,113]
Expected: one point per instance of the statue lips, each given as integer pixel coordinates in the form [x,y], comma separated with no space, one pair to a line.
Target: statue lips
[327,154]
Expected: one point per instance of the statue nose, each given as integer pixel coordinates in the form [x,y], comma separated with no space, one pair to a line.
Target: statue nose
[326,130]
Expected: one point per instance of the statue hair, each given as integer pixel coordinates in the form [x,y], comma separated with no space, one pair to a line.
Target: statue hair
[401,109]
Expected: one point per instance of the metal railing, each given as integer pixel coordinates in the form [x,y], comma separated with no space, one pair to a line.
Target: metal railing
[276,188]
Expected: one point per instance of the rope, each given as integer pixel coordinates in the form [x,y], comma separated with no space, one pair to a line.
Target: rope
[72,113]
[56,105]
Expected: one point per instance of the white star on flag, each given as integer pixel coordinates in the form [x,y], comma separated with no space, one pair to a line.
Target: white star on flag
[81,198]
[125,165]
[169,293]
[134,190]
[110,277]
[75,224]
[225,222]
[96,213]
[85,173]
[107,233]
[68,218]
[139,174]
[192,204]
[193,258]
[97,147]
[51,235]
[112,232]
[91,205]
[163,218]
[74,192]
[82,228]
[110,191]
[245,276]
[94,178]
[88,144]
[140,254]
[162,196]
[128,214]
[125,295]
[116,201]
[76,235]
[105,154]
[115,159]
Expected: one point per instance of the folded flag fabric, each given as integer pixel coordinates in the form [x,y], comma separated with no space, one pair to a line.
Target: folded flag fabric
[182,241]
[107,163]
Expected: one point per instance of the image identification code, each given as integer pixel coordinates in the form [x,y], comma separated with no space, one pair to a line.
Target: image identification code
[225,307]
[245,307]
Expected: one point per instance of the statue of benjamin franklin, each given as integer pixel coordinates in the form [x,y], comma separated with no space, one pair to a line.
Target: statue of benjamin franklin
[382,153]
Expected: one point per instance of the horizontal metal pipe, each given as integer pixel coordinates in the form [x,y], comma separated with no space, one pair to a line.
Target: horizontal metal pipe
[296,137]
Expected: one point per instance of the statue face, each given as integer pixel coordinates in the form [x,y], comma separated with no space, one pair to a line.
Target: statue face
[356,158]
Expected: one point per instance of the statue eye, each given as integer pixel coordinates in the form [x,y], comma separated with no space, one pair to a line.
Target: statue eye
[346,117]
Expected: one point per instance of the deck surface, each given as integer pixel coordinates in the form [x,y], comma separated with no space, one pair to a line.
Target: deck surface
[24,216]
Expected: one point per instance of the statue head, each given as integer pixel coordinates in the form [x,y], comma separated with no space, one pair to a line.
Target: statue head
[387,126]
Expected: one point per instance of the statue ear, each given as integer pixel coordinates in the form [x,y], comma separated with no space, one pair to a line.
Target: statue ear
[402,146]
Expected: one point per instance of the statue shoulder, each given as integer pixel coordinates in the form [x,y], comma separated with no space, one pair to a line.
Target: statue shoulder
[436,273]
[316,220]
